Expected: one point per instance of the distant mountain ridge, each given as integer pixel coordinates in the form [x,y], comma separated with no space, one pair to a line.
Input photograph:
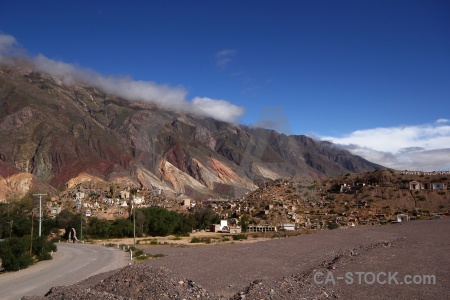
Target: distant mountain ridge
[57,133]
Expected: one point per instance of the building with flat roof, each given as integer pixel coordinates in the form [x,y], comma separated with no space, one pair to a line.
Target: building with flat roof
[261,228]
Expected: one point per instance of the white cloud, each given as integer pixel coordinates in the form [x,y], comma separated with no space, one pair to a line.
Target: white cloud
[421,147]
[221,109]
[8,46]
[165,96]
[442,121]
[224,57]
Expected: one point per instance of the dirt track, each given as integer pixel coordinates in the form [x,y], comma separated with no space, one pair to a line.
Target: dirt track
[285,268]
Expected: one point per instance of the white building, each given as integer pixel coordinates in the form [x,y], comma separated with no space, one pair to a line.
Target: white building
[186,202]
[138,200]
[79,195]
[402,218]
[124,194]
[287,226]
[224,225]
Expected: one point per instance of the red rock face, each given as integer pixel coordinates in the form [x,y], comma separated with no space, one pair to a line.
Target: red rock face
[56,132]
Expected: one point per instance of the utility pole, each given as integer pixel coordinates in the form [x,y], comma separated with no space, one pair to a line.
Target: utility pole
[134,224]
[81,220]
[40,211]
[31,239]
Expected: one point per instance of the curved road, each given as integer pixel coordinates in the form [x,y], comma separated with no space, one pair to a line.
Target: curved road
[70,264]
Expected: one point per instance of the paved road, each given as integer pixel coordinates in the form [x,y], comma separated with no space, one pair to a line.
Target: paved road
[70,264]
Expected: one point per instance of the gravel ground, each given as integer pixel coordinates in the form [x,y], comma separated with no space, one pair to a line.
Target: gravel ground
[287,268]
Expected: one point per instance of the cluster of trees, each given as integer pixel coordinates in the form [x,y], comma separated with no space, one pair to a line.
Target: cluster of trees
[154,221]
[18,253]
[16,221]
[103,229]
[21,245]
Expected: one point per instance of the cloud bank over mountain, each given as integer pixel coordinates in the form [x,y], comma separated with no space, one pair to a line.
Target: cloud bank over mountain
[165,96]
[418,147]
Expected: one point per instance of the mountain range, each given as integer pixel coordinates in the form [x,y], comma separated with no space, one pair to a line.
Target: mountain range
[55,135]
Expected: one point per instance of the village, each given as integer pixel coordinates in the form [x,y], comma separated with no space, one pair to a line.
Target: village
[376,198]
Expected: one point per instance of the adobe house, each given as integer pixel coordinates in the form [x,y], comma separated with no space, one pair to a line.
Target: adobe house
[79,195]
[287,226]
[124,194]
[54,210]
[402,218]
[438,186]
[186,202]
[222,227]
[138,200]
[214,227]
[415,185]
[426,185]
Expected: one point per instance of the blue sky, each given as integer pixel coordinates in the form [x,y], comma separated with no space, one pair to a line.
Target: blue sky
[372,76]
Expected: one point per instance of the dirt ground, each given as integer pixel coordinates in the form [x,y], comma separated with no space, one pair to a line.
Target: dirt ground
[376,258]
[216,238]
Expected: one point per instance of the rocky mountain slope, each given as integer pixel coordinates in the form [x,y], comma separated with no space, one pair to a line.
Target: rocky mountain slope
[360,198]
[59,133]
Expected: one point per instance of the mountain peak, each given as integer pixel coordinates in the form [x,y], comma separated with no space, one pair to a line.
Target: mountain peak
[57,132]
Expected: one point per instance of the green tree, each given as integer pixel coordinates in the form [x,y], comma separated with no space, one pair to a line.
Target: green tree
[99,228]
[15,253]
[205,216]
[186,224]
[42,248]
[21,225]
[67,219]
[245,219]
[140,222]
[22,206]
[121,228]
[161,221]
[48,225]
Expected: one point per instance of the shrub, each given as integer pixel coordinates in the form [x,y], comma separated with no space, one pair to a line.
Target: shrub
[333,226]
[45,256]
[239,237]
[157,255]
[15,252]
[206,240]
[195,240]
